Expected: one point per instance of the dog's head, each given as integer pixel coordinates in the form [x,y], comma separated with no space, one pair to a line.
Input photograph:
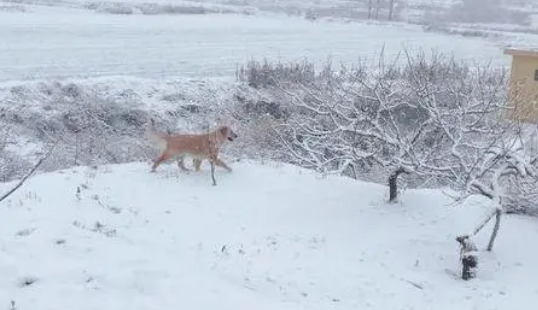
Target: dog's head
[227,133]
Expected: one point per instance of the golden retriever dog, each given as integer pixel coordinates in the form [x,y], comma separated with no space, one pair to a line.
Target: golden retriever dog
[198,146]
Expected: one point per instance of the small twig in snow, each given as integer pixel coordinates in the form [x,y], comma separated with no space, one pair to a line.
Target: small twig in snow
[420,287]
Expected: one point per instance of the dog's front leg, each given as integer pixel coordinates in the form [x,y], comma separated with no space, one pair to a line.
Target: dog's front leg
[222,164]
[212,162]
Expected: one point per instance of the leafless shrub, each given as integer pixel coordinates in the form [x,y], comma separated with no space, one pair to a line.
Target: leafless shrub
[265,74]
[110,7]
[28,174]
[11,164]
[151,8]
[154,8]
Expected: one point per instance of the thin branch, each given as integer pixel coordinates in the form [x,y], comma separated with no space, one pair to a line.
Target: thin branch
[29,174]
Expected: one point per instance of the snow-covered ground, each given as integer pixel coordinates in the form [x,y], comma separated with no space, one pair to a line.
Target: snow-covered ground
[267,236]
[63,42]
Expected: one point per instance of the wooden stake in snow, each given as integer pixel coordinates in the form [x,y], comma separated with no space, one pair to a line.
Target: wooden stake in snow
[468,257]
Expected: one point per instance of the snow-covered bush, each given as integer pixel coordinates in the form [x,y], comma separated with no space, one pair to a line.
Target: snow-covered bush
[263,74]
[110,7]
[152,8]
[521,190]
[254,115]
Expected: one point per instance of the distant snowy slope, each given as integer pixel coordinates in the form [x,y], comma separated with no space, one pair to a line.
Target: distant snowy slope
[267,237]
[60,42]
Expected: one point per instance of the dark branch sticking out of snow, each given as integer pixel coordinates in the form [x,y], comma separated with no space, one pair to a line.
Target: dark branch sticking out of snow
[27,281]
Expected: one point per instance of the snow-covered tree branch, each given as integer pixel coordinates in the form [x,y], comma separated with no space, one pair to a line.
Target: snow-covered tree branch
[430,117]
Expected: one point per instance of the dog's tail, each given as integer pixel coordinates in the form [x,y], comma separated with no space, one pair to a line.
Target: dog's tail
[154,136]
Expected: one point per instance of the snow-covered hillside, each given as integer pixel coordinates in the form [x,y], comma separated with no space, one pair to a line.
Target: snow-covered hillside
[64,42]
[267,237]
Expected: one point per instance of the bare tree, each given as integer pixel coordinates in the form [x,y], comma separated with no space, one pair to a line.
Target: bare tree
[483,149]
[512,162]
[370,8]
[364,118]
[374,7]
[377,8]
[393,7]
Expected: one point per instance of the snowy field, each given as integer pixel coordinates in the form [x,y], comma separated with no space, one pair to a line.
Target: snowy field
[45,42]
[267,237]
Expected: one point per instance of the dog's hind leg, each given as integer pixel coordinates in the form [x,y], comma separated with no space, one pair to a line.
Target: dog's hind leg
[197,162]
[181,164]
[164,156]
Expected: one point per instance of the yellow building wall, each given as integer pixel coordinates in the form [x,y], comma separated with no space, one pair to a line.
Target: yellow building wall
[523,89]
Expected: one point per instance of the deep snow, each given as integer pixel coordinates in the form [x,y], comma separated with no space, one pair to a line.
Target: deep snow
[267,237]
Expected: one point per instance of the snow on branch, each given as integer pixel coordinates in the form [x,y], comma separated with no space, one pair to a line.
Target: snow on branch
[355,116]
[439,120]
[432,116]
